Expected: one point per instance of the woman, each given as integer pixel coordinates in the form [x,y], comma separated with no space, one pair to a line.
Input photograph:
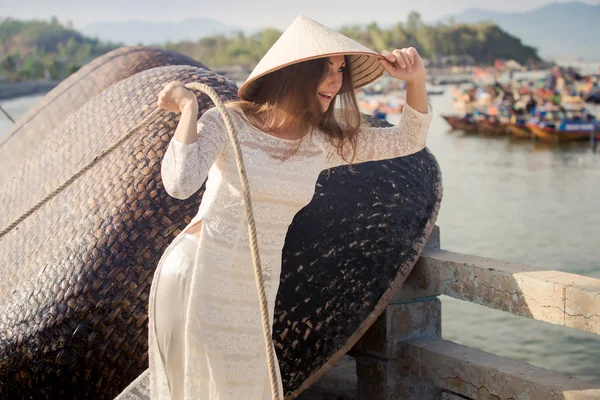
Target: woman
[205,333]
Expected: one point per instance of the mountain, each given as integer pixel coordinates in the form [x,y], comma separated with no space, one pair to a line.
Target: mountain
[136,32]
[557,30]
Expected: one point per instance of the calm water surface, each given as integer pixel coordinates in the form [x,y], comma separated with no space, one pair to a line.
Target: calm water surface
[526,203]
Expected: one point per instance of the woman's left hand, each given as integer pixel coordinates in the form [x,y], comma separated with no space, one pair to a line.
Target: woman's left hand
[405,64]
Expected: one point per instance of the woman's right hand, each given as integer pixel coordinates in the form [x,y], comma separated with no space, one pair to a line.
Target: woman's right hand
[174,97]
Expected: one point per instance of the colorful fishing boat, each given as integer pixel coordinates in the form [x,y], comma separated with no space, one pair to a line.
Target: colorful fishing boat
[435,92]
[565,131]
[459,123]
[379,114]
[519,131]
[491,127]
[517,127]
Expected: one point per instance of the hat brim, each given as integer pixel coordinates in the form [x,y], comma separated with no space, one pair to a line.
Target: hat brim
[365,68]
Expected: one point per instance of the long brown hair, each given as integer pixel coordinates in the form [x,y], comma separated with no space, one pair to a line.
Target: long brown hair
[287,99]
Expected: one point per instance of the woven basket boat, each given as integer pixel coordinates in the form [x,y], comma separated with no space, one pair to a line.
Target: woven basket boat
[77,272]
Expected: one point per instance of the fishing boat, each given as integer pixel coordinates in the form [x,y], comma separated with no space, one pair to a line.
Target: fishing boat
[519,131]
[565,131]
[491,127]
[518,128]
[435,92]
[379,114]
[459,123]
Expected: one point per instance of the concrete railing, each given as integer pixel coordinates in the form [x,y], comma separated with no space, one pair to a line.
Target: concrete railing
[403,356]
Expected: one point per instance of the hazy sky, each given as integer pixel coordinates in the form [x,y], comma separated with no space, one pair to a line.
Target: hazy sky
[252,13]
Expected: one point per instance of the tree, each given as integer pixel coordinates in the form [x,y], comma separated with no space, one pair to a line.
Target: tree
[377,37]
[414,23]
[30,47]
[268,38]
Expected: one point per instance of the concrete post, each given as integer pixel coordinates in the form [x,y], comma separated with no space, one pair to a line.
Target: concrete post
[409,316]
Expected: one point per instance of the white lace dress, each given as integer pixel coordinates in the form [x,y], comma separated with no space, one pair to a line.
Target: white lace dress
[221,340]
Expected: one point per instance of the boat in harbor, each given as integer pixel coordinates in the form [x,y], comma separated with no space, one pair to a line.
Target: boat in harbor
[491,127]
[435,92]
[565,131]
[519,131]
[461,123]
[517,127]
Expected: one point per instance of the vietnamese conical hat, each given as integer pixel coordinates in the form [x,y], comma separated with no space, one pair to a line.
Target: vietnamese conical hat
[306,39]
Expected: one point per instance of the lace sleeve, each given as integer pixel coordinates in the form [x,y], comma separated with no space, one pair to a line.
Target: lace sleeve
[373,144]
[184,166]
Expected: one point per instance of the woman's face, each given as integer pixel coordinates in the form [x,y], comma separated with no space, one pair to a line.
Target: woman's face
[332,82]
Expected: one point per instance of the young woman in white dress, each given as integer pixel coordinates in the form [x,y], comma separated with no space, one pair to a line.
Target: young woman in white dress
[298,115]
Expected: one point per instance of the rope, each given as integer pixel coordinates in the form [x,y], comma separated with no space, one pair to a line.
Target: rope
[247,202]
[252,233]
[82,171]
[7,114]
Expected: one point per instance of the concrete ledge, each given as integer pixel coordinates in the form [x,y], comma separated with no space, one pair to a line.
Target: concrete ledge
[476,374]
[402,322]
[545,295]
[386,379]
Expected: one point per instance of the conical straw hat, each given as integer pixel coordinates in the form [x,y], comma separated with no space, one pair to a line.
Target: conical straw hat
[306,39]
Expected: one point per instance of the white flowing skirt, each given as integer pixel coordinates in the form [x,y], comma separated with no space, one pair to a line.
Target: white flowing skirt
[216,352]
[172,294]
